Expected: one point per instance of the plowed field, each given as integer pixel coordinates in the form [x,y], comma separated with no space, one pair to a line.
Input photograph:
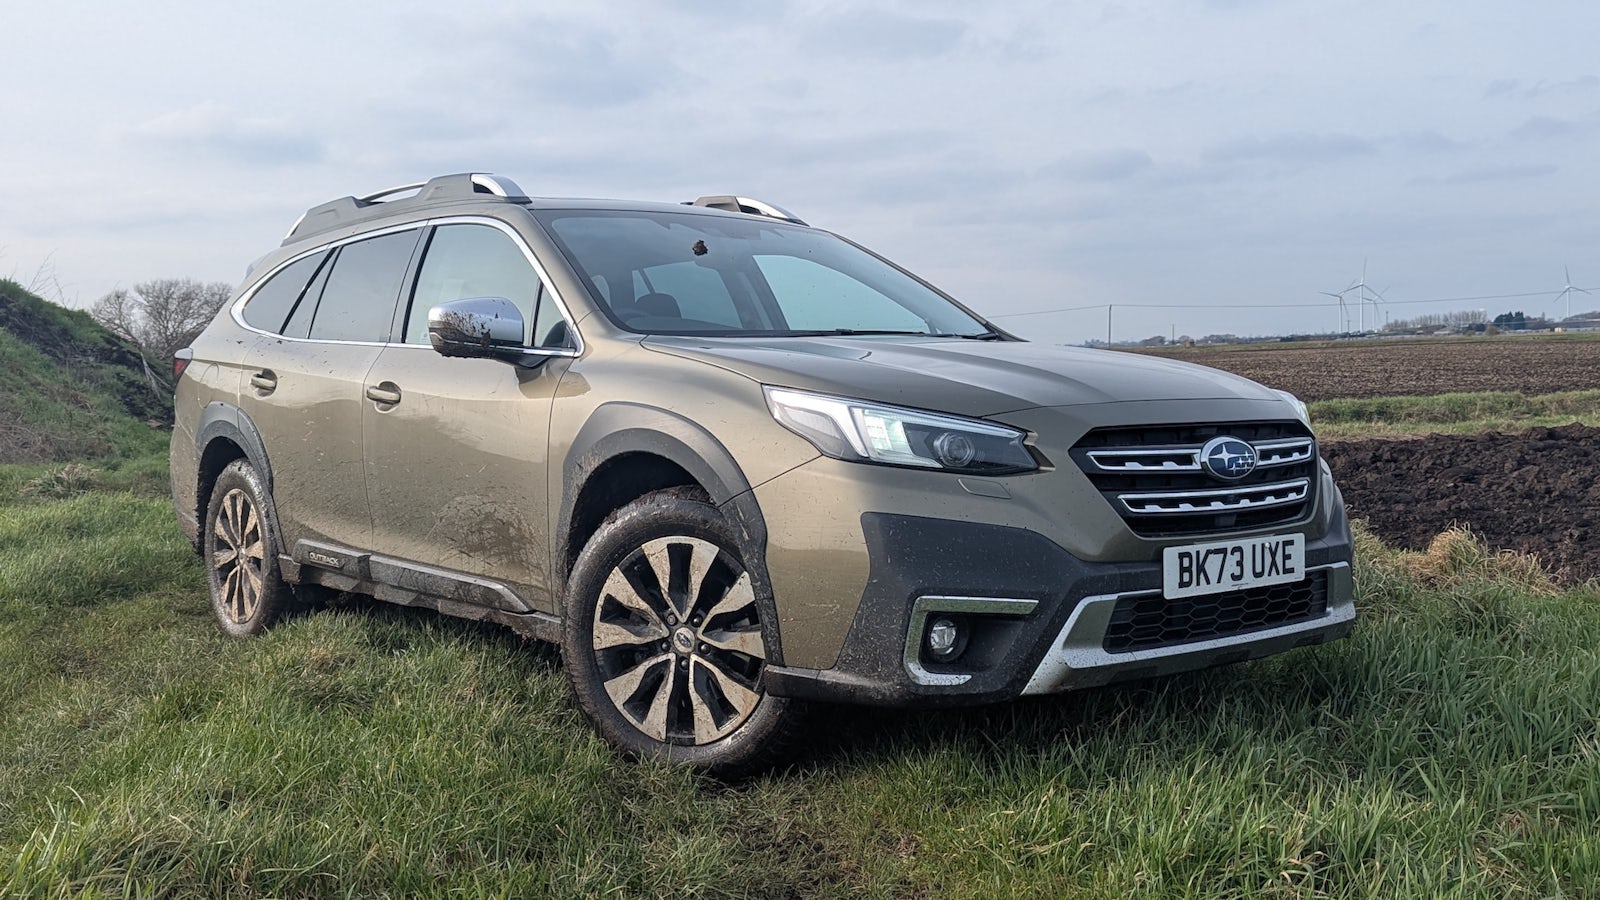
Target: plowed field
[1389,368]
[1537,491]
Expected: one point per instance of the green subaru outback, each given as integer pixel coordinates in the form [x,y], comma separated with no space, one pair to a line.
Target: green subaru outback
[731,463]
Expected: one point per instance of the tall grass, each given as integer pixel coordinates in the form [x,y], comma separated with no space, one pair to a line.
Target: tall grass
[1448,749]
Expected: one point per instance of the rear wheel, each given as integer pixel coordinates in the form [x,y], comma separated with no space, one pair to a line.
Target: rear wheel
[248,593]
[664,644]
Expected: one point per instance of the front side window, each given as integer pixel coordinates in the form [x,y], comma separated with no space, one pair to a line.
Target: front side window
[689,273]
[358,300]
[466,260]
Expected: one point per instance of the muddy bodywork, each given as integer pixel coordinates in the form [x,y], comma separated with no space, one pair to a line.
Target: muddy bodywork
[472,484]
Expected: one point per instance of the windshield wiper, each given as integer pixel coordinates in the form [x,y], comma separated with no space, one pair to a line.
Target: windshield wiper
[983,336]
[827,332]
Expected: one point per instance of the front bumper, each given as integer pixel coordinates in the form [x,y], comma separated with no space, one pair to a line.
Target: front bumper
[1037,615]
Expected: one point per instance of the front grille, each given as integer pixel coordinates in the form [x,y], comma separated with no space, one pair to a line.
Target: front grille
[1149,621]
[1154,479]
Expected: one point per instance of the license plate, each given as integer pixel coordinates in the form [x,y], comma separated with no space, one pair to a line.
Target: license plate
[1230,565]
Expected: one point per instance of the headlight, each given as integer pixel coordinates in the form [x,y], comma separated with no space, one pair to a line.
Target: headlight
[1299,405]
[862,431]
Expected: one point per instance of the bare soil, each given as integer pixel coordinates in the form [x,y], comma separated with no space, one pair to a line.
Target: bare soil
[1535,491]
[1386,368]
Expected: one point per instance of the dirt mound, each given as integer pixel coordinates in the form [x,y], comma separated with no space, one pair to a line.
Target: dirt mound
[1534,491]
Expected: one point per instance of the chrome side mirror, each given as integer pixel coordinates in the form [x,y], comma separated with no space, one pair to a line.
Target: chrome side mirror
[489,327]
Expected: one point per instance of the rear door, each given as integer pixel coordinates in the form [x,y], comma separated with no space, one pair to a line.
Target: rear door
[304,385]
[457,449]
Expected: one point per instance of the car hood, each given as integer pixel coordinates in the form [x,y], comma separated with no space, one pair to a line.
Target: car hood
[974,378]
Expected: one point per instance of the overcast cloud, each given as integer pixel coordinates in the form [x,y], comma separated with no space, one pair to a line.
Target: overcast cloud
[1223,159]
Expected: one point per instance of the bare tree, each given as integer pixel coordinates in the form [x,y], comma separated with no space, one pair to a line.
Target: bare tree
[161,316]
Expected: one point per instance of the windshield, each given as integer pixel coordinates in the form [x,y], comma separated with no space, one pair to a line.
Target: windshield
[666,273]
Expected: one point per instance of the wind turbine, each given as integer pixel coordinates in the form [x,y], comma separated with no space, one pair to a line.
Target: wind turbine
[1377,298]
[1361,287]
[1344,313]
[1566,292]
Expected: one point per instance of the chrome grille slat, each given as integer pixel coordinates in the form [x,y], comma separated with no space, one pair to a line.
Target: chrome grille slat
[1219,500]
[1268,453]
[1155,479]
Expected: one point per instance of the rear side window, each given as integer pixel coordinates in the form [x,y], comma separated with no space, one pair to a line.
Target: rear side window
[359,299]
[270,305]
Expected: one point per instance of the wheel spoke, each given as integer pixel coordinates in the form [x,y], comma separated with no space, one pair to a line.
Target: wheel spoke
[628,632]
[621,590]
[235,590]
[661,564]
[742,699]
[655,721]
[739,595]
[740,640]
[701,556]
[231,516]
[622,687]
[223,556]
[251,530]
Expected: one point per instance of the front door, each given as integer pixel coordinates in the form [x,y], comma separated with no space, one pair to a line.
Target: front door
[457,449]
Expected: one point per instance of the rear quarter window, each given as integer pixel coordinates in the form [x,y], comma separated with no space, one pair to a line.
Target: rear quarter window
[269,307]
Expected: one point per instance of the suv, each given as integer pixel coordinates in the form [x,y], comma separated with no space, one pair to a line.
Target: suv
[731,463]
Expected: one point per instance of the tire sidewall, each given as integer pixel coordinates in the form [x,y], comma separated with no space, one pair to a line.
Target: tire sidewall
[656,516]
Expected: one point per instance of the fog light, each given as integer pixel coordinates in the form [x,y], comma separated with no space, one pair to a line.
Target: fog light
[946,639]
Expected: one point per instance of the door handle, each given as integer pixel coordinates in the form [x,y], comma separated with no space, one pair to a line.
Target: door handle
[387,393]
[264,381]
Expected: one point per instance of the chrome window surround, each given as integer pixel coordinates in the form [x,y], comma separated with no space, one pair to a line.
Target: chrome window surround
[236,310]
[1078,649]
[927,606]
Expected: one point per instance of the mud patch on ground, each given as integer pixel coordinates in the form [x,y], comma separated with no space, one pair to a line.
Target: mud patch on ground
[1535,491]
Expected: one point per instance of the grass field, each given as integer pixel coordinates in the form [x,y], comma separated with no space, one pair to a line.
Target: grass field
[1449,749]
[1451,413]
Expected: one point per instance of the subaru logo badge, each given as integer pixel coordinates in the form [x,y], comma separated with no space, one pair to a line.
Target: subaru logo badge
[1228,458]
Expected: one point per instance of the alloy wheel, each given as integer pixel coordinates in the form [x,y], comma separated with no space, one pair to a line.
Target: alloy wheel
[677,641]
[238,556]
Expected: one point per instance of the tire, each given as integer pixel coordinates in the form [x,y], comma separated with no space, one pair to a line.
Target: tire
[241,544]
[673,673]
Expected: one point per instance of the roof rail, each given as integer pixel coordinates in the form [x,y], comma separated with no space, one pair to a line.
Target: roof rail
[748,206]
[346,210]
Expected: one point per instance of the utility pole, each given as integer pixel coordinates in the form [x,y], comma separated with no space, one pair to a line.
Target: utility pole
[1108,324]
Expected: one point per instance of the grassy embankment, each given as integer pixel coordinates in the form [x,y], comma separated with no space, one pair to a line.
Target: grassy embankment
[1450,748]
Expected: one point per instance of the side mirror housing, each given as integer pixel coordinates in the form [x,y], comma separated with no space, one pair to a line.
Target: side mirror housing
[479,327]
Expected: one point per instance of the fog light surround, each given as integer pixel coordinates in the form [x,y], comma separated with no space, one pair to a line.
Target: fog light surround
[957,619]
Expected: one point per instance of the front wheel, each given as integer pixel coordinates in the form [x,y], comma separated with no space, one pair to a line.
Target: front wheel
[663,640]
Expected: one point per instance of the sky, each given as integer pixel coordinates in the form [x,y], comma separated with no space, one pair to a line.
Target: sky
[1188,167]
